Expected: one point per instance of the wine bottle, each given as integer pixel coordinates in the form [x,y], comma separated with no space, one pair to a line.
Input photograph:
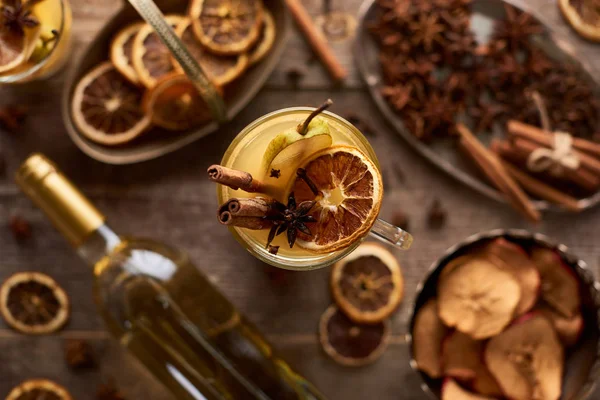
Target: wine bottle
[161,307]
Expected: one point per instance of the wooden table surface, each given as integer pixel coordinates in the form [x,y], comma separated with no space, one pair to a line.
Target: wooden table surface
[169,199]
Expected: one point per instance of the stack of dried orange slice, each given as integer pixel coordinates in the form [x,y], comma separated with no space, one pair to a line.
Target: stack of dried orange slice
[142,86]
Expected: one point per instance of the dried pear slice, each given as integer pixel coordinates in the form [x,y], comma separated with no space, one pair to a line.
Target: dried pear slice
[227,26]
[428,334]
[527,359]
[478,299]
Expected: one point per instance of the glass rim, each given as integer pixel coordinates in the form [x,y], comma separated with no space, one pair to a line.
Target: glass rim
[264,256]
[16,78]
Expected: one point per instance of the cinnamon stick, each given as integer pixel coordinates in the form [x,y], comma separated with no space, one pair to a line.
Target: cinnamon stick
[245,213]
[588,152]
[236,179]
[542,190]
[317,41]
[493,169]
[518,151]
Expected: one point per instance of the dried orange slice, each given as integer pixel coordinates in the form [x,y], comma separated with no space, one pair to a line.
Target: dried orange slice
[227,26]
[106,107]
[220,69]
[121,50]
[349,343]
[367,285]
[151,59]
[584,17]
[350,190]
[34,389]
[265,41]
[176,104]
[33,303]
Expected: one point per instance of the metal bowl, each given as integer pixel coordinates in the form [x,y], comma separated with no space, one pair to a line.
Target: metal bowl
[444,153]
[582,367]
[237,95]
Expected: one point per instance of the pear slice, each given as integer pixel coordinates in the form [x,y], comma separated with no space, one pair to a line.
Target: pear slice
[317,127]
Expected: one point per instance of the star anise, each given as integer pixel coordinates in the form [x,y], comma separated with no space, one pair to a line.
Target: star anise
[17,15]
[427,30]
[538,63]
[398,95]
[438,114]
[516,28]
[291,218]
[486,114]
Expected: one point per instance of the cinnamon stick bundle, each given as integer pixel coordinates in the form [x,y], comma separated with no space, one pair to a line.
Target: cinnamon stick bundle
[491,166]
[246,213]
[518,151]
[542,190]
[535,134]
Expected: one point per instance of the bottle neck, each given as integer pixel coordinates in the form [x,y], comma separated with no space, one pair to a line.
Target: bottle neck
[98,244]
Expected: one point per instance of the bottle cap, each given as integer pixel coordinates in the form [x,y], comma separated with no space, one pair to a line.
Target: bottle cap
[68,209]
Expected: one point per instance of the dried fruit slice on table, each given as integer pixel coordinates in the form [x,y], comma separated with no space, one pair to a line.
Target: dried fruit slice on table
[227,26]
[175,103]
[348,197]
[527,359]
[151,59]
[265,41]
[453,391]
[367,285]
[39,389]
[121,51]
[33,303]
[428,334]
[349,343]
[478,298]
[513,259]
[560,287]
[584,17]
[220,69]
[462,359]
[106,107]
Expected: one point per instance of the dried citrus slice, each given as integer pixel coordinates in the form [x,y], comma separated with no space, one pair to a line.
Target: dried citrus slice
[349,343]
[12,49]
[227,26]
[175,103]
[220,69]
[121,50]
[106,107]
[33,303]
[584,17]
[34,389]
[349,196]
[367,285]
[151,59]
[265,41]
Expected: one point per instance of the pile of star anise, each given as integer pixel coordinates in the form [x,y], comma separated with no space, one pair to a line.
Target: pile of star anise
[435,72]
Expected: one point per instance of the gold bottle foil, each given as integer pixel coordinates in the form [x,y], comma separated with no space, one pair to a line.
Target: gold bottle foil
[70,212]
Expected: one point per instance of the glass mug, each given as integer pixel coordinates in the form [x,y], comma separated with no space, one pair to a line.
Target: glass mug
[245,153]
[46,46]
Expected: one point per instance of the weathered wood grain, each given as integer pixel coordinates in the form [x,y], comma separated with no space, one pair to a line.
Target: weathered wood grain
[169,199]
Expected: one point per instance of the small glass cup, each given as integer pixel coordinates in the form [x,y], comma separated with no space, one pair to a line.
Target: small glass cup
[51,43]
[245,153]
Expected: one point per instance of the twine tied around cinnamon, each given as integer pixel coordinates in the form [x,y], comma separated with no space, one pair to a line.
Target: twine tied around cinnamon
[561,156]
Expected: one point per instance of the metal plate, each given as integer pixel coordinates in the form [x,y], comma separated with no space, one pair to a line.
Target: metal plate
[155,144]
[444,153]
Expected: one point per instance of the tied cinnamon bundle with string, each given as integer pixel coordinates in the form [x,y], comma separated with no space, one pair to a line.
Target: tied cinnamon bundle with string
[246,213]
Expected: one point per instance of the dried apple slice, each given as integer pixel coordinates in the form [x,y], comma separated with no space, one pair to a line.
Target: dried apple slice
[462,359]
[478,298]
[513,259]
[560,287]
[455,263]
[349,343]
[427,336]
[453,391]
[568,329]
[527,359]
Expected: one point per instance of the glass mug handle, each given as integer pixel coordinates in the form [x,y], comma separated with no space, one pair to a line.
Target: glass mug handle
[391,234]
[153,16]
